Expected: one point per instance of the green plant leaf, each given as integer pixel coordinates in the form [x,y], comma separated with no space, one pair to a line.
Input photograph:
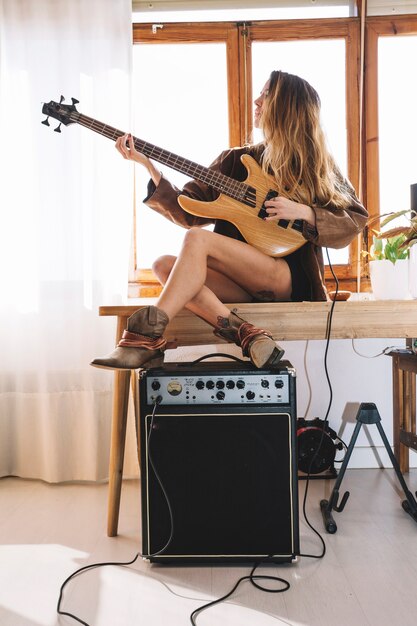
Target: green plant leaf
[393,216]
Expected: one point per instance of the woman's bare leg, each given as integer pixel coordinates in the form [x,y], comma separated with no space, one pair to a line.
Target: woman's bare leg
[217,288]
[212,269]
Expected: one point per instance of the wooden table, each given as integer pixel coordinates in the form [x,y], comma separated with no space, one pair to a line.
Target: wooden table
[286,321]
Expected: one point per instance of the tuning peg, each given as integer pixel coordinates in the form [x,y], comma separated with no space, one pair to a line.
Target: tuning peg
[61,100]
[45,121]
[74,101]
[58,128]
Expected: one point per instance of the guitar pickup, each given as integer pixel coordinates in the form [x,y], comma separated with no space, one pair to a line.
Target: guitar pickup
[296,224]
[283,223]
[271,194]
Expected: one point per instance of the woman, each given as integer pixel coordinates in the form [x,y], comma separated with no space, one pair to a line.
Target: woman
[214,268]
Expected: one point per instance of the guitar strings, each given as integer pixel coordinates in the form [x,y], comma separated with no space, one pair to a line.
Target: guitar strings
[233,188]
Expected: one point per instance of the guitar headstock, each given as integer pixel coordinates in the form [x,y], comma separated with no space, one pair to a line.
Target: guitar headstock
[65,113]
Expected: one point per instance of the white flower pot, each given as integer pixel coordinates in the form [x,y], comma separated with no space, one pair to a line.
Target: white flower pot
[389,280]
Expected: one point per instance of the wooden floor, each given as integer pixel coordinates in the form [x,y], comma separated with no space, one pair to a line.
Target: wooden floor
[367,578]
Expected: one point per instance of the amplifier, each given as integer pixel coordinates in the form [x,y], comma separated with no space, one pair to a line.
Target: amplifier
[220,437]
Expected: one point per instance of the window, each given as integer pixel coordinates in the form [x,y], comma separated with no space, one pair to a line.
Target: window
[397,98]
[183,71]
[178,112]
[391,123]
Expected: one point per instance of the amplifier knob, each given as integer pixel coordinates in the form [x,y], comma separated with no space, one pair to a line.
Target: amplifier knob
[210,384]
[240,384]
[250,395]
[200,384]
[279,383]
[220,384]
[230,384]
[156,385]
[220,395]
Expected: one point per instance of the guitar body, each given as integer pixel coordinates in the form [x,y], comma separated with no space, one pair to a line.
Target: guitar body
[267,236]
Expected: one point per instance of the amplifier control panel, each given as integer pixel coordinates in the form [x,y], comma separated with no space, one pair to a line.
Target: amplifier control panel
[218,388]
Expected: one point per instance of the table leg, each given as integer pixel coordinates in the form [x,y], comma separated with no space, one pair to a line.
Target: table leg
[117,447]
[118,438]
[408,417]
[398,410]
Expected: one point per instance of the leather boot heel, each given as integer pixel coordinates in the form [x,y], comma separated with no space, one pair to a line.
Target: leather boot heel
[156,362]
[142,343]
[256,343]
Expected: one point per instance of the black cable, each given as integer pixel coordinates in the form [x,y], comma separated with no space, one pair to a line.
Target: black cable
[328,334]
[252,579]
[215,355]
[94,565]
[78,571]
[171,516]
[344,445]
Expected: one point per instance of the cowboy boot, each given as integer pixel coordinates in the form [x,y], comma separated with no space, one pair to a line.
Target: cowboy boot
[141,344]
[257,344]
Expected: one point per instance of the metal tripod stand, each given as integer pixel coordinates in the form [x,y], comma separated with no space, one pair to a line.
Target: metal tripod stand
[367,414]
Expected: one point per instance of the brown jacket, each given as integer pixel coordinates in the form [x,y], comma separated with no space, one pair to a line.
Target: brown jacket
[335,228]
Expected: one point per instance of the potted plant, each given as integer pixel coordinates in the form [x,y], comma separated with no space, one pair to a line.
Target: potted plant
[388,257]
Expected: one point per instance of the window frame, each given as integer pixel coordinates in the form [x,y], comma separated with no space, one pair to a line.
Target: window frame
[362,135]
[377,27]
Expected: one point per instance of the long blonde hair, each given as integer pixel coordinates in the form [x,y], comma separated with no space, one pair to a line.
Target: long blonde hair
[295,146]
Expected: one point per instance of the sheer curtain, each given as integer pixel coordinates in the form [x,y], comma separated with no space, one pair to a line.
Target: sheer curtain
[65,224]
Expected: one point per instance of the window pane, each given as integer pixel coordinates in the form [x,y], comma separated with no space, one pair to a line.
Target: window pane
[397,97]
[315,61]
[176,108]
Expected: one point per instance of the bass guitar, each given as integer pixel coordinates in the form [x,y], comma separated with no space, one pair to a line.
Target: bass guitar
[241,203]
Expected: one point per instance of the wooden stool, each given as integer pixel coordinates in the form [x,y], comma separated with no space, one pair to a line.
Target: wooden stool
[404,371]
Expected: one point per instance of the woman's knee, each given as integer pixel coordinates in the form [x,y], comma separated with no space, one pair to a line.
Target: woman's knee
[196,236]
[162,266]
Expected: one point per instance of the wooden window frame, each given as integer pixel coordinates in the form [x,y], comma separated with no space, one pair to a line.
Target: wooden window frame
[362,143]
[377,27]
[142,282]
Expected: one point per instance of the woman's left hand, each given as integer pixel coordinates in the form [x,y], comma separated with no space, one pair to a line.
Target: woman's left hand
[280,208]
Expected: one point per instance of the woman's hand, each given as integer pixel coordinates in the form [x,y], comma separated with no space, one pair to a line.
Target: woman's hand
[125,145]
[280,208]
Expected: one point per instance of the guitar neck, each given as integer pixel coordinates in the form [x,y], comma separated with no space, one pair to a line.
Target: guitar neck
[217,180]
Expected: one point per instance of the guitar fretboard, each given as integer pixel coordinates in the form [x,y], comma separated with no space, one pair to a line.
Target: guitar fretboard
[224,184]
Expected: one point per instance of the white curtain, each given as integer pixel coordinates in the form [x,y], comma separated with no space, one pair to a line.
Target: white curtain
[65,219]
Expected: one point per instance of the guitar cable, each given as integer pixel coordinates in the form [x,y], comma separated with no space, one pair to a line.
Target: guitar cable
[139,554]
[326,421]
